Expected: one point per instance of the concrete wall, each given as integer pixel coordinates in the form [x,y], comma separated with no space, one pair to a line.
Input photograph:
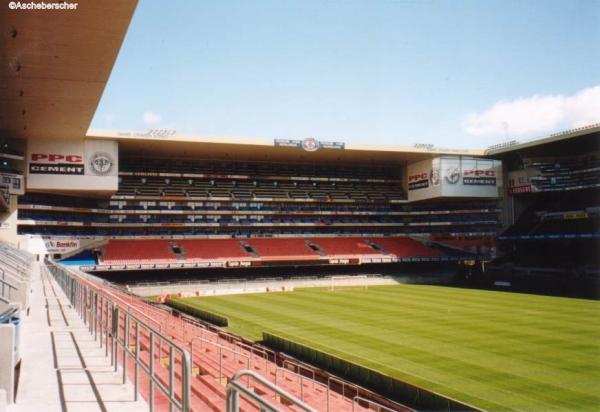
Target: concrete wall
[7,361]
[8,223]
[259,286]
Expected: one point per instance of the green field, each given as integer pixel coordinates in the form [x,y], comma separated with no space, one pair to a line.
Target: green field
[494,350]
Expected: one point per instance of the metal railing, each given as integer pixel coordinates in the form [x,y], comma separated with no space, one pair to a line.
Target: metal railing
[15,272]
[372,405]
[235,389]
[129,340]
[220,348]
[8,297]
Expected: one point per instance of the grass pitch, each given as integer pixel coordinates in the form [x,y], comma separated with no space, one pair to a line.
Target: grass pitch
[494,350]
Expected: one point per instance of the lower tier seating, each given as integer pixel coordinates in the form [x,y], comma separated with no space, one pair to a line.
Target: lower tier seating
[212,249]
[119,252]
[404,247]
[138,251]
[283,249]
[345,247]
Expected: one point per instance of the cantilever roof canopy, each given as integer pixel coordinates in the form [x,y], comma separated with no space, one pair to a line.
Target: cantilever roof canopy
[260,149]
[54,65]
[568,143]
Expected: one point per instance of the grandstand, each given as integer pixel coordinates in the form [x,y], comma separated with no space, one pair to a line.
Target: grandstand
[553,225]
[88,216]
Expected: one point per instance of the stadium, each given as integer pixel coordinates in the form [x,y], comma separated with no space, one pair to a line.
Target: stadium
[153,270]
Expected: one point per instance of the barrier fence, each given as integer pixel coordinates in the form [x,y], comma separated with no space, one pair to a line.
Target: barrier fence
[388,386]
[131,342]
[155,363]
[235,389]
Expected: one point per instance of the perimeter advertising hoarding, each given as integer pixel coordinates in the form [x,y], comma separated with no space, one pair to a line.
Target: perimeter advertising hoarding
[454,176]
[82,165]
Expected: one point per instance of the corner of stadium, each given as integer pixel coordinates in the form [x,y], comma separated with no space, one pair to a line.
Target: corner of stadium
[153,270]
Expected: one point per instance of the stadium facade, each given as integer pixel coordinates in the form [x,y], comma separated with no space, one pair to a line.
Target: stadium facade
[66,187]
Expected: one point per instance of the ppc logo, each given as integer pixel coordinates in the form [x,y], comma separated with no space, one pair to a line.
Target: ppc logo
[54,158]
[102,163]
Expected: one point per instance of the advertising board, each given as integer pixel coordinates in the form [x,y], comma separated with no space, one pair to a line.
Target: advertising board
[454,176]
[82,165]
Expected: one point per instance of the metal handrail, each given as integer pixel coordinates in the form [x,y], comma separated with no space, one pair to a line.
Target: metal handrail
[235,388]
[185,403]
[301,379]
[104,313]
[10,287]
[9,271]
[221,347]
[13,263]
[379,406]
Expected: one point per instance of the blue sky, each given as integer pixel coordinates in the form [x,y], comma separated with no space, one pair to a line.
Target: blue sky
[452,73]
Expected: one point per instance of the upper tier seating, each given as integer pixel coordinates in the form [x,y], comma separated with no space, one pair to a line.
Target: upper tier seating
[138,252]
[560,174]
[558,214]
[187,218]
[258,189]
[251,169]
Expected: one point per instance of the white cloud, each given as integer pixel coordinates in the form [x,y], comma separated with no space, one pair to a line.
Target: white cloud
[535,116]
[151,118]
[108,118]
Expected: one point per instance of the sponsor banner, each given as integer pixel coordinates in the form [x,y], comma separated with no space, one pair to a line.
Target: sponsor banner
[84,165]
[66,162]
[553,236]
[288,143]
[453,176]
[61,245]
[332,145]
[418,181]
[479,177]
[56,169]
[520,189]
[423,180]
[309,144]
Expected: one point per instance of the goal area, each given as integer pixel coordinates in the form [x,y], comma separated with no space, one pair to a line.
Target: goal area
[348,281]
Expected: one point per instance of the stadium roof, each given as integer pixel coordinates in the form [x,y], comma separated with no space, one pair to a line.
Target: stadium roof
[263,149]
[55,65]
[587,140]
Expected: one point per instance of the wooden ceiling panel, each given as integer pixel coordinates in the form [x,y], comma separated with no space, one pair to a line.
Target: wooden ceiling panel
[54,66]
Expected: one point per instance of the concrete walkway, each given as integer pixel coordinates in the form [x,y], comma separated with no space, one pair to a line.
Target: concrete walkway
[63,368]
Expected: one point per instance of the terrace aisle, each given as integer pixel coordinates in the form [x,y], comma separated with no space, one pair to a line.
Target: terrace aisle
[63,368]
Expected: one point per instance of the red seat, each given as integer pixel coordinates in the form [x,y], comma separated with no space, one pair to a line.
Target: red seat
[404,247]
[212,249]
[346,247]
[283,249]
[119,252]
